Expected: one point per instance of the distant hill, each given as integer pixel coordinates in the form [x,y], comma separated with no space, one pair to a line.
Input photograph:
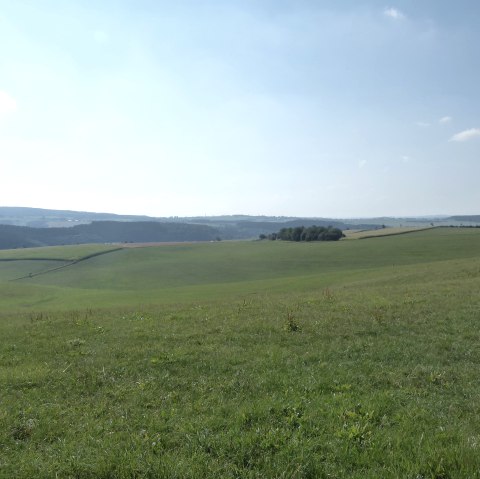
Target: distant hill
[252,229]
[52,226]
[44,218]
[467,218]
[104,232]
[226,226]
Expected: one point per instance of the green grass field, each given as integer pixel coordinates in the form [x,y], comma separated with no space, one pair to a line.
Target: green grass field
[66,253]
[388,231]
[354,359]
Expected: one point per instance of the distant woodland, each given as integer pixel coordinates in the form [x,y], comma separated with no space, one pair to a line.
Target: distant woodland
[104,232]
[26,227]
[30,227]
[303,233]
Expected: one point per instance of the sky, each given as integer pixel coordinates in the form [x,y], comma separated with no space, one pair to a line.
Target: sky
[328,108]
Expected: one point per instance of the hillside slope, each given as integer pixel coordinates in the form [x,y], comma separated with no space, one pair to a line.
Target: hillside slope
[104,232]
[207,270]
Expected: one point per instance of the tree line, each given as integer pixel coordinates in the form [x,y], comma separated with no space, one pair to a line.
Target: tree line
[302,233]
[12,236]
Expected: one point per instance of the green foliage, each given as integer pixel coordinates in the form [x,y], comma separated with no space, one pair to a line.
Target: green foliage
[310,233]
[291,324]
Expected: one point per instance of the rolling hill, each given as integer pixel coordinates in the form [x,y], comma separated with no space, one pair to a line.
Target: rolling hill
[170,272]
[350,359]
[104,232]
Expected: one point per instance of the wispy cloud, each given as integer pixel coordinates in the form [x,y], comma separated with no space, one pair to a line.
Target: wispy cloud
[466,135]
[362,163]
[7,103]
[444,120]
[393,13]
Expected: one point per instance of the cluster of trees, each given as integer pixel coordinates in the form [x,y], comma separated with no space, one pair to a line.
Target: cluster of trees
[302,233]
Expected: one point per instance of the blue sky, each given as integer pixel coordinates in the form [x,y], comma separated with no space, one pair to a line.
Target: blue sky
[306,108]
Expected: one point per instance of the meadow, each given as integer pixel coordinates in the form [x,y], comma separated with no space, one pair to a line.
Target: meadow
[387,231]
[252,359]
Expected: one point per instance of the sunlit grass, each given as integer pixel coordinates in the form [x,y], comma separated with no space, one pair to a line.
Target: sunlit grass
[353,373]
[67,253]
[360,234]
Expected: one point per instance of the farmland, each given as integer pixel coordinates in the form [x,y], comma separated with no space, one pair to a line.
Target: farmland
[243,359]
[388,231]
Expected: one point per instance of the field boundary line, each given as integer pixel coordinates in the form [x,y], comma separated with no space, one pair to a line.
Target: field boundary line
[33,259]
[69,263]
[400,232]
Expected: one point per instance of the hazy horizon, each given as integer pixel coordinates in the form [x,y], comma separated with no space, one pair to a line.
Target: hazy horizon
[427,216]
[292,108]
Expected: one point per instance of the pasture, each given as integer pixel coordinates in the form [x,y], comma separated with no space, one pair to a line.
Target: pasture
[388,231]
[255,359]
